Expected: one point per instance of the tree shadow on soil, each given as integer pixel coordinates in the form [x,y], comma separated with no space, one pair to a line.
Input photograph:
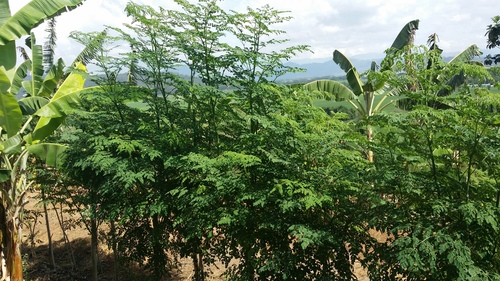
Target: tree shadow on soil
[37,267]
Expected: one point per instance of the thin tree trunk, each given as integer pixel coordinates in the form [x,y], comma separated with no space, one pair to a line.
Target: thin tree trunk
[498,199]
[199,271]
[369,96]
[114,246]
[49,235]
[93,247]
[159,258]
[369,136]
[65,235]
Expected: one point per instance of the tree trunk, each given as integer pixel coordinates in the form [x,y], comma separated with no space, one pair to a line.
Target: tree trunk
[199,271]
[114,246]
[159,258]
[369,136]
[12,269]
[11,221]
[369,96]
[49,235]
[67,242]
[93,247]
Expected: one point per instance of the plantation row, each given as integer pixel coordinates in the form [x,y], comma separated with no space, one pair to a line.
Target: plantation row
[228,166]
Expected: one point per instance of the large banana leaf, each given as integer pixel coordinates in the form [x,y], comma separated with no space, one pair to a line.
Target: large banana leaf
[466,55]
[351,73]
[50,153]
[44,128]
[52,79]
[8,58]
[10,113]
[339,90]
[354,81]
[61,106]
[458,79]
[18,79]
[405,36]
[344,63]
[4,82]
[4,11]
[12,145]
[31,15]
[7,51]
[67,97]
[33,86]
[30,105]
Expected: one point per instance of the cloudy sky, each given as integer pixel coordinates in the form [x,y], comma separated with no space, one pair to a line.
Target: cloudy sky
[354,27]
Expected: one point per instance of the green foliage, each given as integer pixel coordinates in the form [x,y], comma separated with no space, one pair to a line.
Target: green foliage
[493,33]
[437,165]
[24,124]
[280,192]
[32,15]
[237,168]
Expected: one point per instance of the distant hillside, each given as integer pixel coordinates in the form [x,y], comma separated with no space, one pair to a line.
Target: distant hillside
[312,70]
[323,69]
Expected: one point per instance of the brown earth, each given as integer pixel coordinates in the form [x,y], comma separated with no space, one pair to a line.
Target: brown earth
[37,266]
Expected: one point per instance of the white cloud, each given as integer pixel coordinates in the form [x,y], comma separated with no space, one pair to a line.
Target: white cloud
[352,26]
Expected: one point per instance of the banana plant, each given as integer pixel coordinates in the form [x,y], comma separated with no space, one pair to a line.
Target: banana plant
[448,75]
[13,27]
[452,82]
[26,122]
[362,95]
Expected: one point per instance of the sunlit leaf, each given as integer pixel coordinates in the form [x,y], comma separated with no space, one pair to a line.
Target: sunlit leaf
[50,153]
[10,113]
[31,15]
[21,73]
[44,128]
[12,145]
[339,90]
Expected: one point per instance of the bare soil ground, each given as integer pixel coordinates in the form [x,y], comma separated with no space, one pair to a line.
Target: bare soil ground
[37,264]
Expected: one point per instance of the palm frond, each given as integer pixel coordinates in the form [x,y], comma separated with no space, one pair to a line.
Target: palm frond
[91,49]
[338,90]
[452,83]
[50,45]
[342,61]
[32,15]
[23,52]
[405,36]
[493,33]
[467,54]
